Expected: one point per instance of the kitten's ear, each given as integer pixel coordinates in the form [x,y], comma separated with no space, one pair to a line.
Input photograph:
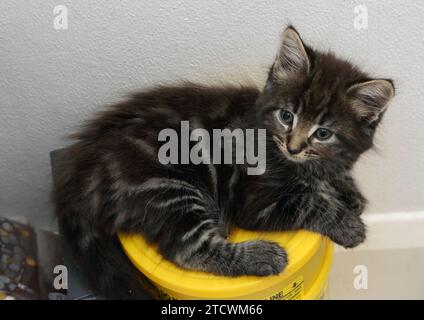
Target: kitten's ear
[292,59]
[370,99]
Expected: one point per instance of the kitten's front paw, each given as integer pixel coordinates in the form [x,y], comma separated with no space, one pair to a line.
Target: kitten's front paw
[350,233]
[264,258]
[357,204]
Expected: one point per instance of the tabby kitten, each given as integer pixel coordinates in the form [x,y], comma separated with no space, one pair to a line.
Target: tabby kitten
[320,114]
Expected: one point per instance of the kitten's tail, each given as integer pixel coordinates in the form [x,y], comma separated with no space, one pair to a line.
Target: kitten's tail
[103,263]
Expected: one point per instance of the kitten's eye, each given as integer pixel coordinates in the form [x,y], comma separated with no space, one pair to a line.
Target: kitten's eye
[286,116]
[323,134]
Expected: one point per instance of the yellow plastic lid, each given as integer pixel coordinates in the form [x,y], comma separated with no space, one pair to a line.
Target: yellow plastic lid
[301,246]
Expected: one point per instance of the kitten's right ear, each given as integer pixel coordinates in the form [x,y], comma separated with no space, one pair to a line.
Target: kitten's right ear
[292,59]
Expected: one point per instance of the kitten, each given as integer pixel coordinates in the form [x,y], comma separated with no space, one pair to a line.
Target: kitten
[320,113]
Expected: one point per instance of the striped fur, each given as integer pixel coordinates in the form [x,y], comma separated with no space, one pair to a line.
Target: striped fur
[111,180]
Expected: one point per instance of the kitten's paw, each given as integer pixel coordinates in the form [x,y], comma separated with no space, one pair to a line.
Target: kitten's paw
[264,258]
[350,233]
[357,205]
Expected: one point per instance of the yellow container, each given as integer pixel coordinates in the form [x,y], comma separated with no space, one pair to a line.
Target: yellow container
[305,277]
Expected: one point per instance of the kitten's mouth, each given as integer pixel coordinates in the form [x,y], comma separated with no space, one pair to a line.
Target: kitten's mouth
[280,144]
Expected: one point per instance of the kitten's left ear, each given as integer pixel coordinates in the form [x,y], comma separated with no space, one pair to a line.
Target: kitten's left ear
[370,99]
[292,59]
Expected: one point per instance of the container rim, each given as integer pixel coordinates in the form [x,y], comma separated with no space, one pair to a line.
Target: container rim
[301,246]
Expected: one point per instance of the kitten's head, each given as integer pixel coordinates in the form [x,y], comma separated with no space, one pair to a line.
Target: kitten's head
[317,106]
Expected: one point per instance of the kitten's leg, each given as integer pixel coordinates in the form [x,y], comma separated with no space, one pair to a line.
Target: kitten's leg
[186,225]
[338,217]
[210,252]
[334,214]
[349,232]
[339,208]
[342,225]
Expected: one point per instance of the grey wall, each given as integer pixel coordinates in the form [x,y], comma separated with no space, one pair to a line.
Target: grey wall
[51,79]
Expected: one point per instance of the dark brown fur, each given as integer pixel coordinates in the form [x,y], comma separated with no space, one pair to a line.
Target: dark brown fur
[112,181]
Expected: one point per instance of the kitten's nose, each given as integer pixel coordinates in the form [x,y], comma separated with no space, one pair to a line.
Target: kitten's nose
[294,151]
[295,144]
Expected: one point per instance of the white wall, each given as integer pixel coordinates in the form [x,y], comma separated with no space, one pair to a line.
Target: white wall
[50,80]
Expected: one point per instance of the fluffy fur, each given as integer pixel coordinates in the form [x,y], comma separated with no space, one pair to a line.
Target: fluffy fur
[111,180]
